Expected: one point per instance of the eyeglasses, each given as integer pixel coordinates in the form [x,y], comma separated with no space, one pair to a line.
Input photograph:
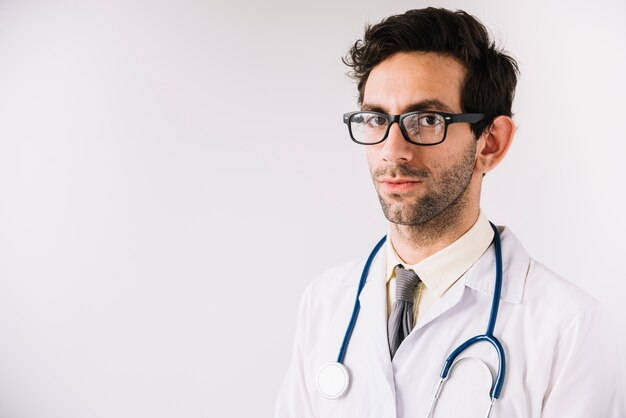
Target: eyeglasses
[419,128]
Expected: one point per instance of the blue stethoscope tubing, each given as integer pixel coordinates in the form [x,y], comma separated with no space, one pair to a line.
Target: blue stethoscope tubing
[357,303]
[488,336]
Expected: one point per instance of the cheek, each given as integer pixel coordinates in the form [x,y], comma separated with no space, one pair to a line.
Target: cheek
[372,156]
[481,162]
[453,159]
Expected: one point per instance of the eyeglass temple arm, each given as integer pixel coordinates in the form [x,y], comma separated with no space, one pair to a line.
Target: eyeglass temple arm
[465,117]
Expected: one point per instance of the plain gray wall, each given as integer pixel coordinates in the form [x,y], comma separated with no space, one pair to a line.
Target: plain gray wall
[165,167]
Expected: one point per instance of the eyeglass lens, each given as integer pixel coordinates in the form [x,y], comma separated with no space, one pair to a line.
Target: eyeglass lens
[422,128]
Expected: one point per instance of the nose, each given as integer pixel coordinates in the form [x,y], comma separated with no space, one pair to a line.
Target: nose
[395,147]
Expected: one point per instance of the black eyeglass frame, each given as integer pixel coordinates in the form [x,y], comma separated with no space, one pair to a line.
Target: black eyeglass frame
[447,117]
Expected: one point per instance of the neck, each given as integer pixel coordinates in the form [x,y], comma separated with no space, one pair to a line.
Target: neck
[414,243]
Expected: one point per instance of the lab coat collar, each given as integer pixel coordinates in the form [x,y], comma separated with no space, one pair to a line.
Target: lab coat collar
[515,264]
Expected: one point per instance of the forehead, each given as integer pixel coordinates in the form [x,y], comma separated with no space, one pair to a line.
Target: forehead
[409,78]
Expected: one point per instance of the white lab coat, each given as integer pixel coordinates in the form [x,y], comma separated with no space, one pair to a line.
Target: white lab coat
[561,359]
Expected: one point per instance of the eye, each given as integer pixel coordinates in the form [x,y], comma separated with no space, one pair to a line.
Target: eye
[430,120]
[374,121]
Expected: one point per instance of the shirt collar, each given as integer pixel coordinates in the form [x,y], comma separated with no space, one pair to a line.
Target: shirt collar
[439,271]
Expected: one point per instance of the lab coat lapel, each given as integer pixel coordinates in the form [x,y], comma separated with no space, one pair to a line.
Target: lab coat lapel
[449,300]
[373,316]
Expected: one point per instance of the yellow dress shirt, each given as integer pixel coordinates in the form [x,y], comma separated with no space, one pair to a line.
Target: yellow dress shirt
[442,269]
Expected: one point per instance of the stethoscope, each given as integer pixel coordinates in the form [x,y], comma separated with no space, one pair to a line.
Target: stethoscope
[333,379]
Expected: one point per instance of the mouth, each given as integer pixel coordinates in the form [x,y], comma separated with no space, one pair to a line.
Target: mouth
[398,184]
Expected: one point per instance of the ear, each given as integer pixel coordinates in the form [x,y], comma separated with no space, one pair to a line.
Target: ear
[494,143]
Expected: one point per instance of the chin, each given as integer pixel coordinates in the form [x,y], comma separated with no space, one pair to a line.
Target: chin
[401,214]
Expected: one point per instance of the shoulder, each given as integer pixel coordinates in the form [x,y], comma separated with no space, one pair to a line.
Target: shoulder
[539,287]
[329,296]
[535,286]
[333,280]
[556,294]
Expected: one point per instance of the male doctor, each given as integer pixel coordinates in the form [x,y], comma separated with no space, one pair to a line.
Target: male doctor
[435,100]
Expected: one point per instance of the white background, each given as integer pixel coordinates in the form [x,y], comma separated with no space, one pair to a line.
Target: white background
[173,174]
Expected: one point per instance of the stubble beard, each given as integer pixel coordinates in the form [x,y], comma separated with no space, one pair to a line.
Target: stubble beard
[444,204]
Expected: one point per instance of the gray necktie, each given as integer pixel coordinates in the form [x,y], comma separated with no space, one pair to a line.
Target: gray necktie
[401,319]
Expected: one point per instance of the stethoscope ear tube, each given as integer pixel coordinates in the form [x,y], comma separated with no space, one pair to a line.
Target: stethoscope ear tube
[497,288]
[495,306]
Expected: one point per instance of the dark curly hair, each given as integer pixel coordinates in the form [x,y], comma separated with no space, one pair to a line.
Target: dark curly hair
[489,85]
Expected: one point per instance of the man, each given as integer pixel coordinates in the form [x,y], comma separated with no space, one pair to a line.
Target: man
[435,97]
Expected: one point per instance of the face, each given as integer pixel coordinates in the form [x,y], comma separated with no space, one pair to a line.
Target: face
[416,184]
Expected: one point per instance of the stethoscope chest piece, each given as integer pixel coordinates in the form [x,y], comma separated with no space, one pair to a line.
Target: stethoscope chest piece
[333,380]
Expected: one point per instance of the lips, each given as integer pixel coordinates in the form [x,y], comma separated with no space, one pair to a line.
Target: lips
[398,184]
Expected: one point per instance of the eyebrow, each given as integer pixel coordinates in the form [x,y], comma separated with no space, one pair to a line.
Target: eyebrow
[428,104]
